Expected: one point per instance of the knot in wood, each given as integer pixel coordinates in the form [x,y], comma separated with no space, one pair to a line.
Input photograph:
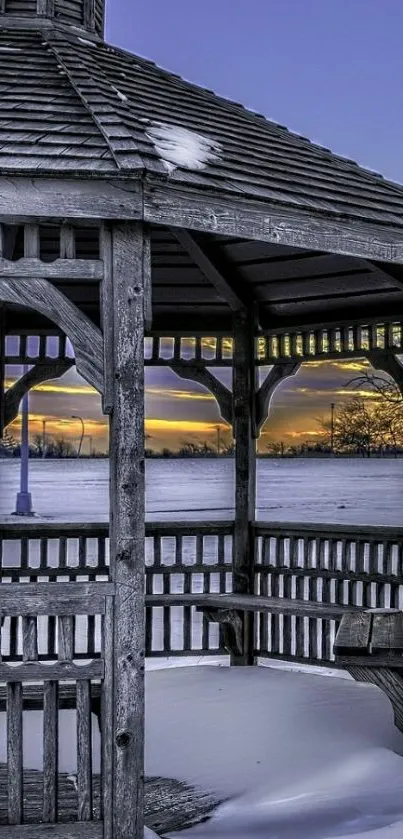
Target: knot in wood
[123,739]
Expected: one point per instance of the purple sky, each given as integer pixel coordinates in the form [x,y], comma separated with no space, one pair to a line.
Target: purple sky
[329,69]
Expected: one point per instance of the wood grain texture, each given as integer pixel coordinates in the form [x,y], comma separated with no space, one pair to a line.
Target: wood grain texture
[128,529]
[74,270]
[387,632]
[34,671]
[84,752]
[50,751]
[43,297]
[14,752]
[354,634]
[389,680]
[244,395]
[64,198]
[266,222]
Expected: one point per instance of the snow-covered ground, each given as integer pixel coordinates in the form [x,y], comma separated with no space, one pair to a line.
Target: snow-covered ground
[295,752]
[346,491]
[299,756]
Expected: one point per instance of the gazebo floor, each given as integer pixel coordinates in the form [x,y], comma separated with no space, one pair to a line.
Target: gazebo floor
[170,805]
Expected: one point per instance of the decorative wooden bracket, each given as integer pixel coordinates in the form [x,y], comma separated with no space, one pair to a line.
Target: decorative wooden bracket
[387,361]
[265,392]
[232,627]
[43,297]
[39,373]
[199,373]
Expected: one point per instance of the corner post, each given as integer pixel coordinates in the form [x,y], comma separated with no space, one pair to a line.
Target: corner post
[2,372]
[125,251]
[244,392]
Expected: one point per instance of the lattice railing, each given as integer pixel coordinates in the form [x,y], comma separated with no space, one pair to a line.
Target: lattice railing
[180,558]
[316,562]
[336,342]
[271,348]
[323,563]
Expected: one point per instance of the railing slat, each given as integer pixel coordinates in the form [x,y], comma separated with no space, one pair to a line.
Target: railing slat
[84,751]
[14,752]
[50,750]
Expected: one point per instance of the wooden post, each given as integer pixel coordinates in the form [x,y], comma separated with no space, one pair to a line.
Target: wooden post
[128,245]
[2,371]
[244,390]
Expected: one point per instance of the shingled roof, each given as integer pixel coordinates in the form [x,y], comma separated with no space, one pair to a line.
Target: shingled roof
[77,106]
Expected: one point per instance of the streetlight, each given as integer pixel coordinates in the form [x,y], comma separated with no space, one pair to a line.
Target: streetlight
[218,429]
[44,437]
[23,505]
[74,416]
[332,407]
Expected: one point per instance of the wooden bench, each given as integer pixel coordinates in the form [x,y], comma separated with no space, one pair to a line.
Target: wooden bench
[369,645]
[227,609]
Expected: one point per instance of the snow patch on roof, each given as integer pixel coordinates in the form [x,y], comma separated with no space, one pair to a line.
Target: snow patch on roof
[119,93]
[179,147]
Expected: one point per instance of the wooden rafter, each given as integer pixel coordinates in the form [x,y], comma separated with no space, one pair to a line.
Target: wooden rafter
[222,284]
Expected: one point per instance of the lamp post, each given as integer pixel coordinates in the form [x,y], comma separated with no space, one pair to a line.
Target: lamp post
[218,429]
[23,505]
[80,419]
[332,407]
[44,437]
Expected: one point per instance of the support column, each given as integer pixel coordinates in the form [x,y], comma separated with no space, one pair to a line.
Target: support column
[244,390]
[125,249]
[2,372]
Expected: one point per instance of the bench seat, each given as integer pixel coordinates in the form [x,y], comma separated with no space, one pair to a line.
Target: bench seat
[252,603]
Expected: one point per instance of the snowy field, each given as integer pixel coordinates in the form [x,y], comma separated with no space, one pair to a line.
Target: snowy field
[294,755]
[346,491]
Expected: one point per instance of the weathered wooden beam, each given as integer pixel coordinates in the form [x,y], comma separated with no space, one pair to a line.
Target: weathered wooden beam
[244,393]
[176,206]
[89,15]
[199,373]
[43,297]
[73,199]
[39,373]
[2,371]
[81,270]
[222,284]
[45,8]
[266,390]
[127,528]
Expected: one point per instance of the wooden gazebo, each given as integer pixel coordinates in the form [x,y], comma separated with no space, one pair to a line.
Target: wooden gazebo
[137,209]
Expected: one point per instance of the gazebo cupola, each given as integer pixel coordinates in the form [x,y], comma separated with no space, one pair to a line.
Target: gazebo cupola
[82,14]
